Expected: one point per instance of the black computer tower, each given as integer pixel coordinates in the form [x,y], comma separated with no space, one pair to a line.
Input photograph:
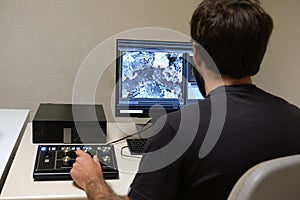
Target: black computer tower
[69,123]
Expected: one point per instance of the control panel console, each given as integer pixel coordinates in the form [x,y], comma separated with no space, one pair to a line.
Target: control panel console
[54,162]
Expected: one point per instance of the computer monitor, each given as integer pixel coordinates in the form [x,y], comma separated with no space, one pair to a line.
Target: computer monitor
[153,75]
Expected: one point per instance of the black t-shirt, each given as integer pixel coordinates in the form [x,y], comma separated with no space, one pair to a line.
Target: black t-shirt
[244,125]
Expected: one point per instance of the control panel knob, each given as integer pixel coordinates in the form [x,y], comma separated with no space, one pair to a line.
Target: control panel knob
[106,160]
[66,160]
[105,150]
[67,149]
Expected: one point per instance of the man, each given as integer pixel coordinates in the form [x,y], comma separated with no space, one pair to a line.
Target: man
[257,126]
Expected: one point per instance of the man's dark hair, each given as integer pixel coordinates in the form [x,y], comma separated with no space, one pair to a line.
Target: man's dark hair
[235,33]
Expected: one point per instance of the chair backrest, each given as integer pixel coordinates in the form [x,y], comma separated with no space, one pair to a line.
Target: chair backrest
[276,179]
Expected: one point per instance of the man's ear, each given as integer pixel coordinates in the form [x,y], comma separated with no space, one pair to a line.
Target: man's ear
[197,58]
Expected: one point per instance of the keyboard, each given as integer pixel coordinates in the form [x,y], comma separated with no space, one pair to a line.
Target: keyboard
[136,146]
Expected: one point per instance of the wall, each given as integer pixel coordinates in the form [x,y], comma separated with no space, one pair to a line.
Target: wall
[280,69]
[44,42]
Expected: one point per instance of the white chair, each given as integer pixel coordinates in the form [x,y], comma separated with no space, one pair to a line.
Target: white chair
[277,179]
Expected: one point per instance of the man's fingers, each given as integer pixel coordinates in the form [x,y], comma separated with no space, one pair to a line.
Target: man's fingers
[95,158]
[79,153]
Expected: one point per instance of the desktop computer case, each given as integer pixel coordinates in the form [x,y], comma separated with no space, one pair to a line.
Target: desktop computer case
[69,123]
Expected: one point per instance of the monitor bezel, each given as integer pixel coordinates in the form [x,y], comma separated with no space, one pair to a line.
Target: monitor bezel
[133,111]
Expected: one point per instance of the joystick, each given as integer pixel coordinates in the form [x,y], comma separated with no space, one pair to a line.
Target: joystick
[106,160]
[66,160]
[88,152]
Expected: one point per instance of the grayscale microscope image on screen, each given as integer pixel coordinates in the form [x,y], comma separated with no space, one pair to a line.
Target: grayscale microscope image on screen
[152,75]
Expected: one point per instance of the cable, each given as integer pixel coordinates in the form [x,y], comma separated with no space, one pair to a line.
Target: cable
[123,138]
[128,136]
[129,156]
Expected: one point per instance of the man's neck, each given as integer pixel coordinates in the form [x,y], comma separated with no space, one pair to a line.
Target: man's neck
[225,81]
[242,81]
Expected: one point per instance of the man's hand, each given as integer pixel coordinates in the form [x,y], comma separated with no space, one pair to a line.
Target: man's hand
[86,170]
[87,174]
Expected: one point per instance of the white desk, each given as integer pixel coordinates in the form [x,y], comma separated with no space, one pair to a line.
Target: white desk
[12,126]
[20,183]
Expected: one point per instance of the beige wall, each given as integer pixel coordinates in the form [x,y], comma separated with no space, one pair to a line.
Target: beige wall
[44,42]
[280,70]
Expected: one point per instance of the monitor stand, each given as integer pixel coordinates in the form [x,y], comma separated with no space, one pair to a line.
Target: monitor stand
[141,127]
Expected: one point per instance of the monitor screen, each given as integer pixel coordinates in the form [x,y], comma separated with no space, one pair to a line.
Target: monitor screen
[154,75]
